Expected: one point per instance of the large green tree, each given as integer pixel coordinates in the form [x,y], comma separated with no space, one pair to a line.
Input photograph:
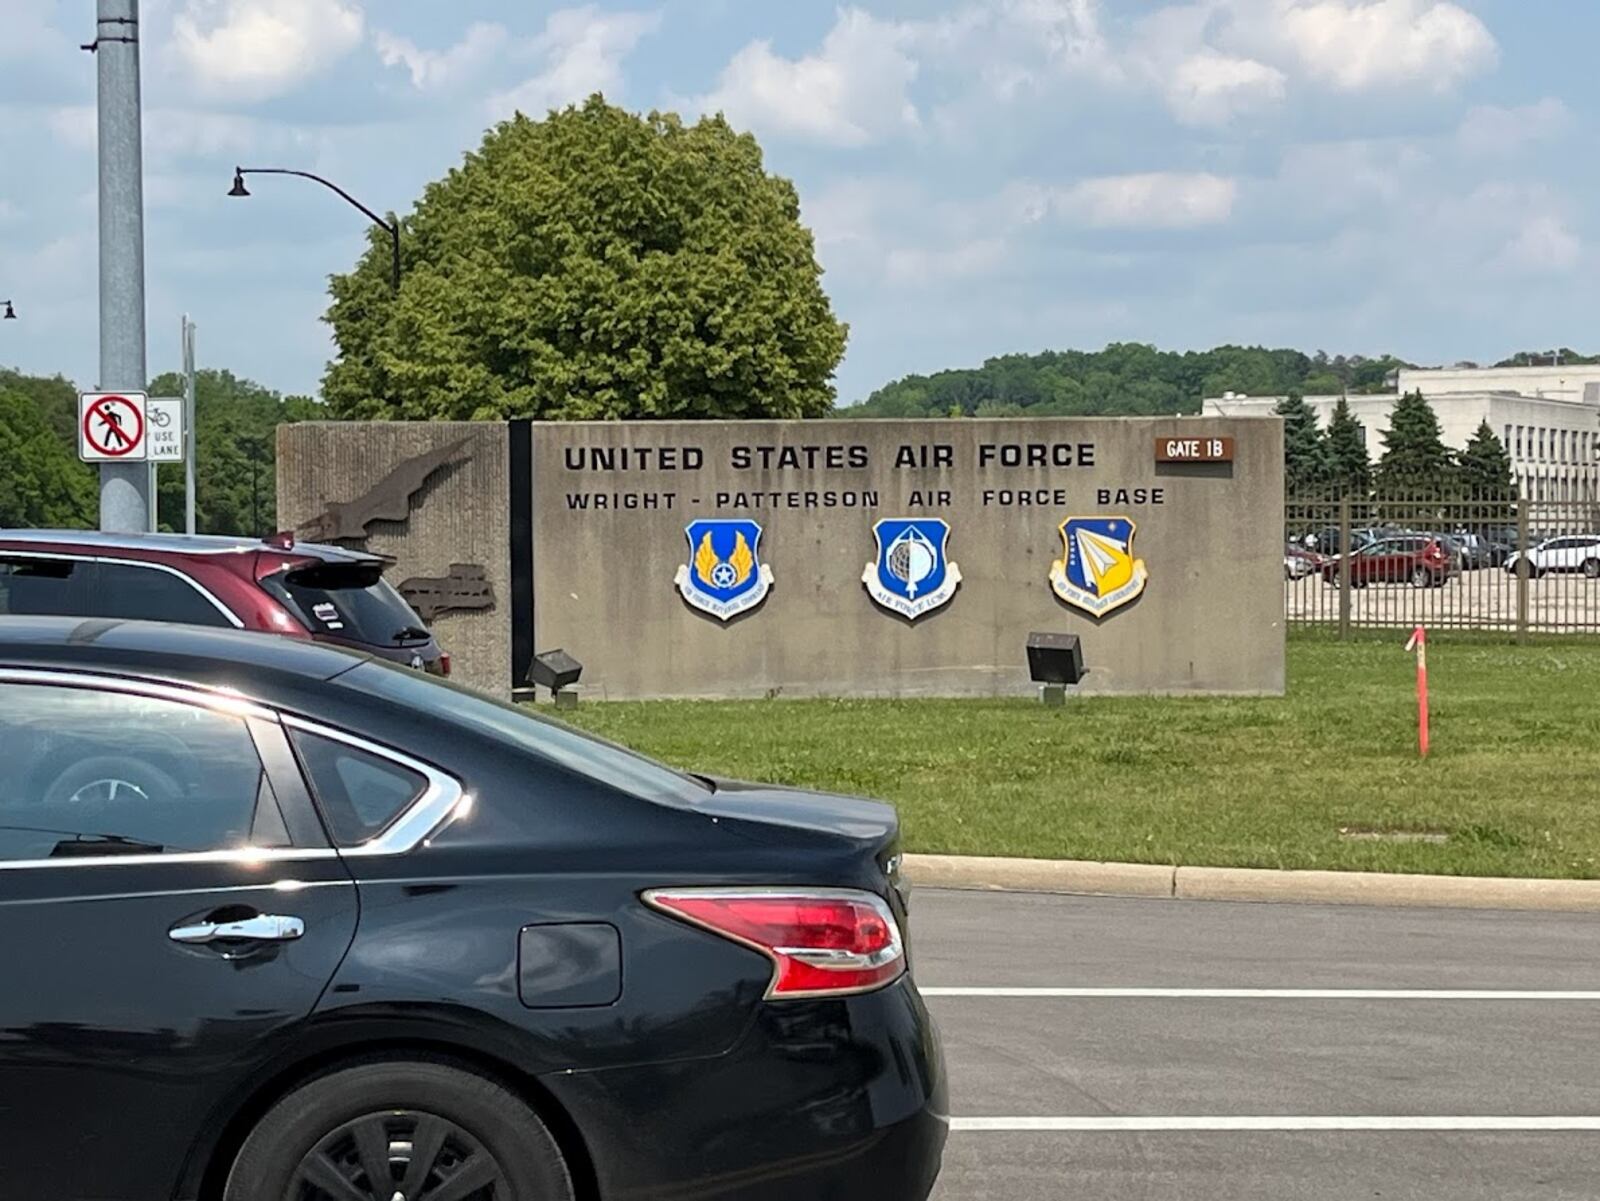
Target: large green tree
[1483,467]
[593,264]
[42,483]
[1415,459]
[1349,465]
[1305,460]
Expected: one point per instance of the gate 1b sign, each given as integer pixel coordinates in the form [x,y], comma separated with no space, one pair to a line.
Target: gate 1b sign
[164,440]
[112,427]
[1194,450]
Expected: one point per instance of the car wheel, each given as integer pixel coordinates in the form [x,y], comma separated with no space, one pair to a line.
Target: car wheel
[1421,578]
[1591,569]
[400,1128]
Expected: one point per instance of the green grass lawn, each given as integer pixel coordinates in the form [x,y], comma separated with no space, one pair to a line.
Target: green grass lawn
[1513,781]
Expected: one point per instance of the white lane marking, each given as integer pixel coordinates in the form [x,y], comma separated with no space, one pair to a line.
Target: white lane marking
[1275,994]
[1228,1122]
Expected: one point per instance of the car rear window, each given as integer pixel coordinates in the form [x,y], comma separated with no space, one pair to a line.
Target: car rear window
[516,726]
[348,602]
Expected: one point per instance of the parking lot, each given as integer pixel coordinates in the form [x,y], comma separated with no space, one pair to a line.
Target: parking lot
[1122,1049]
[1483,599]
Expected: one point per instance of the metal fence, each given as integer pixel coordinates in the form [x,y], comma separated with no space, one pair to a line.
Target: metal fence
[1486,563]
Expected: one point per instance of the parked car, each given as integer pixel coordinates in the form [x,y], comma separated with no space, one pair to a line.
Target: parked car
[1573,552]
[285,921]
[1420,560]
[276,585]
[1298,562]
[1479,550]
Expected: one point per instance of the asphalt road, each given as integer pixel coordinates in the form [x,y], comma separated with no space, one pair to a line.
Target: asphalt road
[1421,1046]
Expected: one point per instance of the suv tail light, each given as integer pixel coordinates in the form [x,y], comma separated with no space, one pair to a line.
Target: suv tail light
[822,941]
[444,663]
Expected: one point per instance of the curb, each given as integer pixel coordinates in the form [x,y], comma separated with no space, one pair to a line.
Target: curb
[1087,878]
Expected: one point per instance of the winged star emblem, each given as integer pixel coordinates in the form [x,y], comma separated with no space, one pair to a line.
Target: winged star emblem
[724,575]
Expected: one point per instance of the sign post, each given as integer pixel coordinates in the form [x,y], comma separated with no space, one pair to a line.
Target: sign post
[1419,643]
[112,427]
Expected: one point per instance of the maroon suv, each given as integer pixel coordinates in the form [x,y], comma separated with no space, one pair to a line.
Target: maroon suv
[274,585]
[1420,560]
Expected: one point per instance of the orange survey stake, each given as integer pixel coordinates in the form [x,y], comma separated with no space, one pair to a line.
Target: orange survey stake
[1419,643]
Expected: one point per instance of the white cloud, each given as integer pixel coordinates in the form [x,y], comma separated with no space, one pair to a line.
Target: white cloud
[431,69]
[1489,129]
[582,51]
[1068,30]
[852,92]
[172,134]
[1356,45]
[929,264]
[1152,201]
[1542,246]
[1210,88]
[256,49]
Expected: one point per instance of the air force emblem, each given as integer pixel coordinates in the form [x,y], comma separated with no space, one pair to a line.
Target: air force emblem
[911,575]
[723,576]
[1098,572]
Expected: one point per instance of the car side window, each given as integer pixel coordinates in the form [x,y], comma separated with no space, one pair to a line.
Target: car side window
[41,587]
[100,773]
[360,793]
[132,593]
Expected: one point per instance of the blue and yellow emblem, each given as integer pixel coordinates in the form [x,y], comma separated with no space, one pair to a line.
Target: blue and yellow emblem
[1098,572]
[724,575]
[911,575]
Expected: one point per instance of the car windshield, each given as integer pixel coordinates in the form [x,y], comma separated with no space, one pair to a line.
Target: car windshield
[348,602]
[517,726]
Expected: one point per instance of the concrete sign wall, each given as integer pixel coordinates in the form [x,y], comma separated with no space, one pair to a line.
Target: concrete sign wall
[705,559]
[612,504]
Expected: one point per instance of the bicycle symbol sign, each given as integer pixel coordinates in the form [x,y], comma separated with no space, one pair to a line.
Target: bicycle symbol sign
[111,426]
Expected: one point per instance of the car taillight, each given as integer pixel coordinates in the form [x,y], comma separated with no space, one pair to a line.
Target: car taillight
[444,663]
[821,941]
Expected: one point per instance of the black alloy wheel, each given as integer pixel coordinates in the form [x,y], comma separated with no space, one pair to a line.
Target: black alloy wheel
[401,1155]
[400,1130]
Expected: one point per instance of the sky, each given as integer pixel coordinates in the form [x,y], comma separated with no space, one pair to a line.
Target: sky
[983,177]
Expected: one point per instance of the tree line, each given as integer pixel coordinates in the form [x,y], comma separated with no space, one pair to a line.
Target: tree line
[45,485]
[1415,461]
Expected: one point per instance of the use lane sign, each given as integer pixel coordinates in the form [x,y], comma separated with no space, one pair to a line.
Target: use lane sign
[164,432]
[112,427]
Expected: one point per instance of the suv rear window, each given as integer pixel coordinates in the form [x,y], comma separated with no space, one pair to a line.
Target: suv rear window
[348,602]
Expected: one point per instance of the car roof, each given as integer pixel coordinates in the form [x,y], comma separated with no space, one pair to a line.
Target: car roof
[196,655]
[179,544]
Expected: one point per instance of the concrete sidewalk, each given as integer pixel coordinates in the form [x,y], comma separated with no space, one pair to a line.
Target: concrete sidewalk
[1249,884]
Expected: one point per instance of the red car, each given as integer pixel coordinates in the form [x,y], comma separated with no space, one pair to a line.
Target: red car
[273,585]
[1414,559]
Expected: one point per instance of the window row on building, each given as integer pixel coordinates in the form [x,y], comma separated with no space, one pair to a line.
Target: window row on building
[1540,444]
[1558,485]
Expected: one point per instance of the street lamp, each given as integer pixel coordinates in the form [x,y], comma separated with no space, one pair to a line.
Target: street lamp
[392,228]
[10,313]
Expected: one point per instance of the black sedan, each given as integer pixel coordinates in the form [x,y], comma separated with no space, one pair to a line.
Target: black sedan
[282,923]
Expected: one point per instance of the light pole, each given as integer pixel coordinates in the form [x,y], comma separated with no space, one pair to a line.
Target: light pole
[392,228]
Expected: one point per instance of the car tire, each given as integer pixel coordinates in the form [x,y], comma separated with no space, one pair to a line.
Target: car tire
[471,1124]
[1422,578]
[1591,569]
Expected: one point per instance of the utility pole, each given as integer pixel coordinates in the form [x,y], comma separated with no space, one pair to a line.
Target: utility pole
[126,495]
[189,440]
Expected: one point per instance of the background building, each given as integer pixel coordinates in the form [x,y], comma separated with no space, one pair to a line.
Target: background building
[1547,417]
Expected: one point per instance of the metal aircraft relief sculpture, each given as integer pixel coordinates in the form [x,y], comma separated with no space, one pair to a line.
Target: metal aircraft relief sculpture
[387,500]
[466,589]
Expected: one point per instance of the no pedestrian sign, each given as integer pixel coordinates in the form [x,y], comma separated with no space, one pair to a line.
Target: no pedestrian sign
[112,427]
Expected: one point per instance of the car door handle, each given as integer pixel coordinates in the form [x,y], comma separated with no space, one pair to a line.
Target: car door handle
[266,927]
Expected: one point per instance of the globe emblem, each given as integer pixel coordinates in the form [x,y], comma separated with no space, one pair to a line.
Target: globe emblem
[724,576]
[912,559]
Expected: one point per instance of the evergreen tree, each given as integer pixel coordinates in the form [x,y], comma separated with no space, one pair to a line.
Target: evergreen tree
[1414,456]
[1484,467]
[1305,462]
[1349,465]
